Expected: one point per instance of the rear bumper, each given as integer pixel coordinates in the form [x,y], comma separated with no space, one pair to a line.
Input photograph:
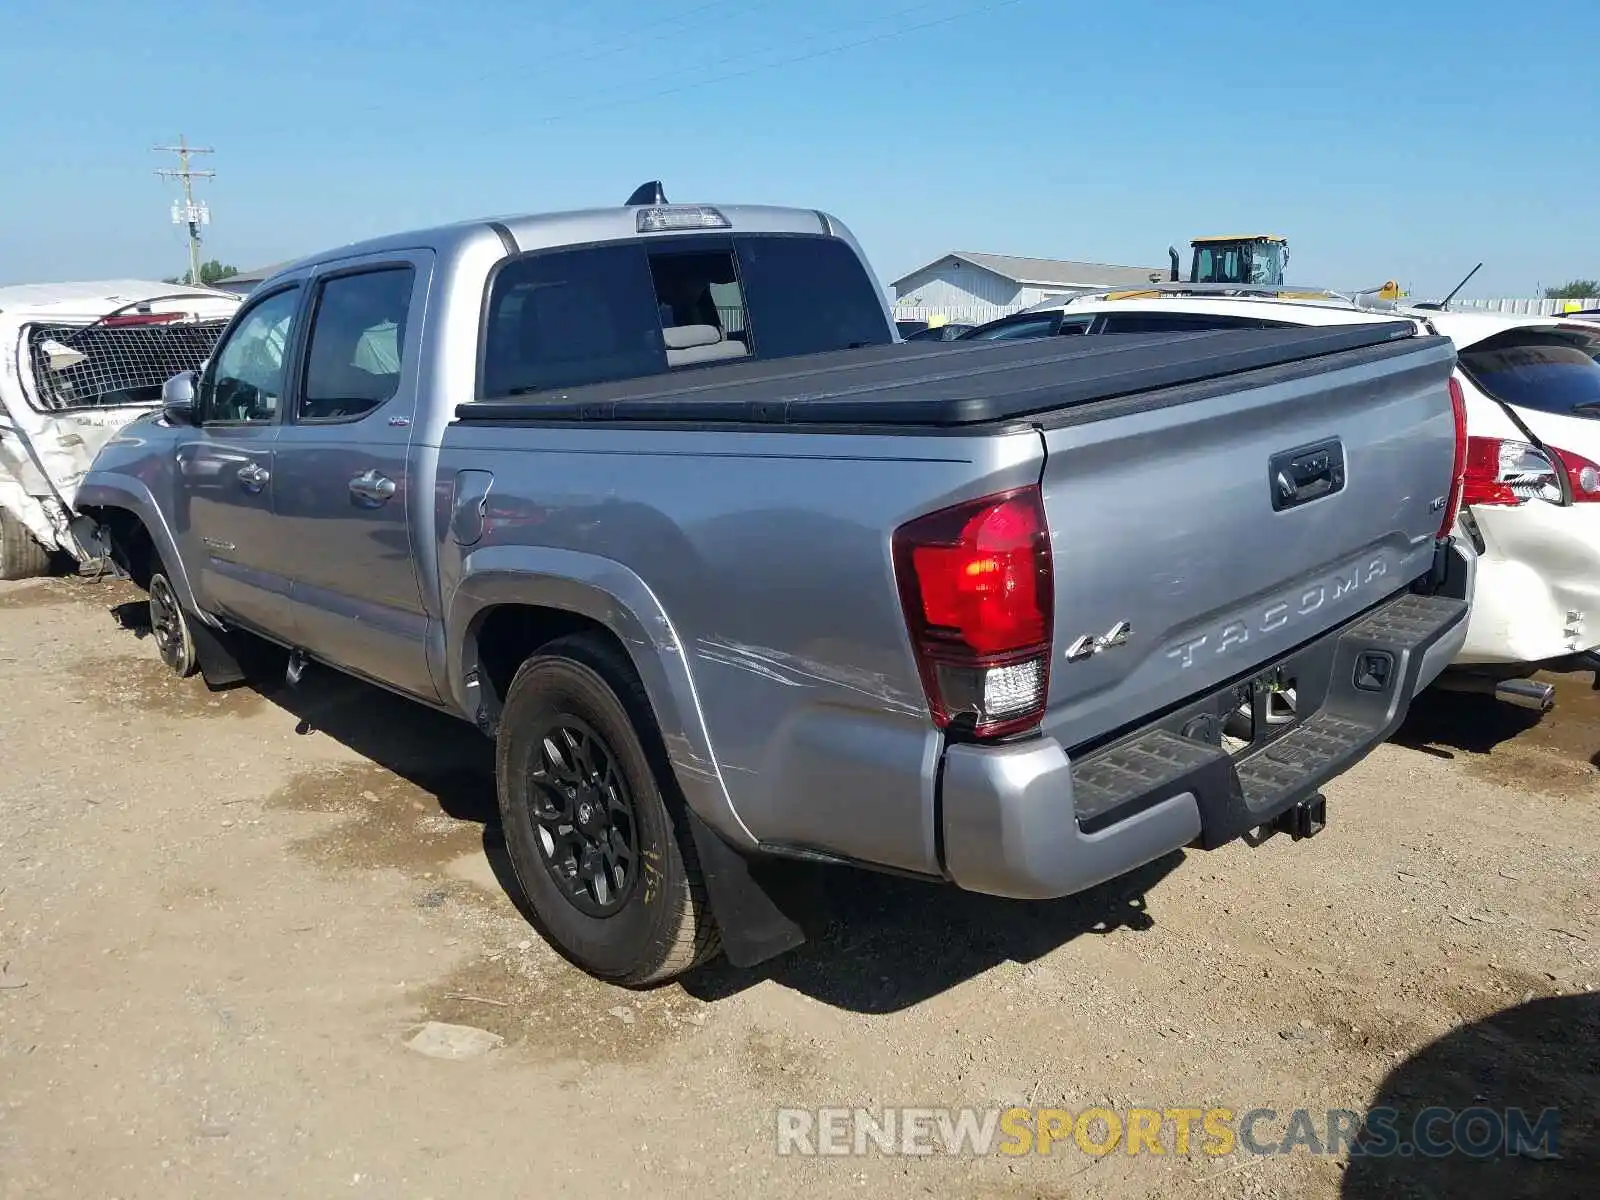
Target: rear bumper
[1029,821]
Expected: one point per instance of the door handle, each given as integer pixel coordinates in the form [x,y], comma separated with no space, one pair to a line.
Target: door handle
[254,477]
[372,487]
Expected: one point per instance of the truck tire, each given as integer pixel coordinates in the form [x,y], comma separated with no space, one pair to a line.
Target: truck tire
[169,626]
[21,556]
[595,827]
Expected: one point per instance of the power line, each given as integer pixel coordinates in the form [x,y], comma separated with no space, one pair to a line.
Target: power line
[606,49]
[189,213]
[784,62]
[603,50]
[743,54]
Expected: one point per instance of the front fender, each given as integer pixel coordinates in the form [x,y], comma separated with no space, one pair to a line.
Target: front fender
[109,489]
[609,593]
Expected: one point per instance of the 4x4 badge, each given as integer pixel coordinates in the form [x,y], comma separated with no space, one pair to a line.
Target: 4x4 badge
[1088,645]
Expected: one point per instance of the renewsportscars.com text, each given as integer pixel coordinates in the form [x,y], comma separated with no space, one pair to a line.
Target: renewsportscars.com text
[1477,1132]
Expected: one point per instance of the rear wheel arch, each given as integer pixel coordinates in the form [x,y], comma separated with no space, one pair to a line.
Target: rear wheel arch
[501,637]
[523,598]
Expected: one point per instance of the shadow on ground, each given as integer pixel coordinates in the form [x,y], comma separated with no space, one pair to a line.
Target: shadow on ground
[1535,1057]
[1443,722]
[879,944]
[875,943]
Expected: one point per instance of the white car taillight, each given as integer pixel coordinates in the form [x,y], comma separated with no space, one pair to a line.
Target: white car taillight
[1505,473]
[1584,476]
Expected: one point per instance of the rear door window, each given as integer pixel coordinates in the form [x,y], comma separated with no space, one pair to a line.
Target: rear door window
[357,334]
[1537,371]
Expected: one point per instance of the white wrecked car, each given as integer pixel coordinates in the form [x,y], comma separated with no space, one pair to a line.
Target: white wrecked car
[78,361]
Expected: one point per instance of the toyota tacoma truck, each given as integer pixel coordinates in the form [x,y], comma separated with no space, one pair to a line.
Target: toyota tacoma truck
[657,499]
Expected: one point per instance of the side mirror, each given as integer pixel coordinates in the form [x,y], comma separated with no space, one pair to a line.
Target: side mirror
[177,399]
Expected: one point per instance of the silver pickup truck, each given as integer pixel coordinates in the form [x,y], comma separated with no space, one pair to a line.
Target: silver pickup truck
[655,496]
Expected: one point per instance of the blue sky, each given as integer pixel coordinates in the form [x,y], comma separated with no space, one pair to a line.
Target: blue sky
[1404,140]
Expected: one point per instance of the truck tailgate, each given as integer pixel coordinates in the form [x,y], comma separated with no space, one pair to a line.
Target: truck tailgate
[1201,531]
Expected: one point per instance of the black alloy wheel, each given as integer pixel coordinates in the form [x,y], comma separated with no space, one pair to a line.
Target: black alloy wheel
[584,817]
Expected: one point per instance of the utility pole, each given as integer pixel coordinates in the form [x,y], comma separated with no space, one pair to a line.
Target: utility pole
[188,213]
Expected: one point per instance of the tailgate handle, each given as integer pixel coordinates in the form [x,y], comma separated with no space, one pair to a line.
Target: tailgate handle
[1305,474]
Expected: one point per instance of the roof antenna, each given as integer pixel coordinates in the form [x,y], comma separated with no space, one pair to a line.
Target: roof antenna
[647,193]
[1445,303]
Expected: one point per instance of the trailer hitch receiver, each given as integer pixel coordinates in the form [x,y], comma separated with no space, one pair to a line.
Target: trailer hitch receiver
[1304,820]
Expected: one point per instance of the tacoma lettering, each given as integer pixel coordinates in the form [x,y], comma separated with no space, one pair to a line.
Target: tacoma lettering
[1276,616]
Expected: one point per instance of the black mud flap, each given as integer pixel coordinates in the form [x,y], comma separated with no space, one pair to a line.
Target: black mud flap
[219,665]
[754,926]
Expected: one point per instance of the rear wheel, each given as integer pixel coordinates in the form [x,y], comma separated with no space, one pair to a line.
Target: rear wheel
[169,626]
[21,556]
[594,827]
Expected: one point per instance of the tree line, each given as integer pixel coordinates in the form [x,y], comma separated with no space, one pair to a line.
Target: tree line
[210,272]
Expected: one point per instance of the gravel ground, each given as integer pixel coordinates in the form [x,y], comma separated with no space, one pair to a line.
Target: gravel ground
[225,916]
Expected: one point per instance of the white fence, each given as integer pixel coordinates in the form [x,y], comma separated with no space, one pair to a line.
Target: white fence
[974,314]
[1529,307]
[977,314]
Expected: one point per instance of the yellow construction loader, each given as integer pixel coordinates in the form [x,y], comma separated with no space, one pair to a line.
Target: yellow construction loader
[1248,260]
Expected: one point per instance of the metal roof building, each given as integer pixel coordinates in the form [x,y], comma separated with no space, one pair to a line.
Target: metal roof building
[967,279]
[245,281]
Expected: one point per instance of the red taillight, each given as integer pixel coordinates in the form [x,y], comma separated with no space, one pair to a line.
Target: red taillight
[1505,473]
[1458,471]
[978,591]
[1583,475]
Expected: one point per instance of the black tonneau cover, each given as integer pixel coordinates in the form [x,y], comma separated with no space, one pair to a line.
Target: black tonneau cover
[938,383]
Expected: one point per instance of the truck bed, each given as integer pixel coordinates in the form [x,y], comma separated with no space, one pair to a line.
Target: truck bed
[945,385]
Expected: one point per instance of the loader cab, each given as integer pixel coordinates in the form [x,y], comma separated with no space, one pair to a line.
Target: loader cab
[1254,259]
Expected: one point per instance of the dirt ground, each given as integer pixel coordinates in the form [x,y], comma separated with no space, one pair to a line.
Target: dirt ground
[223,915]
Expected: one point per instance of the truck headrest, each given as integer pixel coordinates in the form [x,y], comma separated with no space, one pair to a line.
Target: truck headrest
[686,337]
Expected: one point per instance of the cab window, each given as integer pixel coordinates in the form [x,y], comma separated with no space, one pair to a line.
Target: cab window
[246,380]
[357,334]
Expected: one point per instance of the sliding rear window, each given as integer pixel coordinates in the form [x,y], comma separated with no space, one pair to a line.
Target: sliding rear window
[565,318]
[1544,372]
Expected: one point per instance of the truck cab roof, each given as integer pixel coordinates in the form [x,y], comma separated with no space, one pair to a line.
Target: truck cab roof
[539,231]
